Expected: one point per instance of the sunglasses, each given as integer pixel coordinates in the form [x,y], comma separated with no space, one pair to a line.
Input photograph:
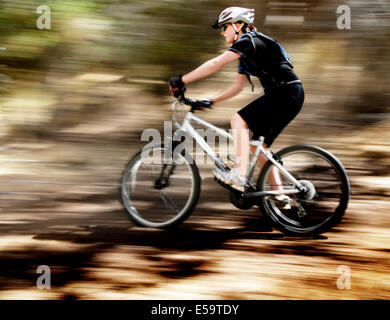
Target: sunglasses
[224,27]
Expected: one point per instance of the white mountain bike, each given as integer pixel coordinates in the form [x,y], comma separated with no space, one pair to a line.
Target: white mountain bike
[161,184]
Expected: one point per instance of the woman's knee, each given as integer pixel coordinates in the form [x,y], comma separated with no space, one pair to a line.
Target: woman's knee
[237,121]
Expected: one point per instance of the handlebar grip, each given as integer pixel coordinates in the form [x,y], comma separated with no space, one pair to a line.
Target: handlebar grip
[194,104]
[186,101]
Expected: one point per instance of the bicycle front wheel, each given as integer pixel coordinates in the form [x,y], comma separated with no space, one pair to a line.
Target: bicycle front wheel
[158,190]
[323,203]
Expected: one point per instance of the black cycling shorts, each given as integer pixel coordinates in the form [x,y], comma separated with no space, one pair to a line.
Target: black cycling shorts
[268,115]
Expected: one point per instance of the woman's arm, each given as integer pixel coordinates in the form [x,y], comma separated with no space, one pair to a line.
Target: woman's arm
[233,90]
[210,67]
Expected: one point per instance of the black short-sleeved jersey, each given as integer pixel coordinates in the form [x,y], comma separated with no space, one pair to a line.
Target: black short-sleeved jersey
[263,58]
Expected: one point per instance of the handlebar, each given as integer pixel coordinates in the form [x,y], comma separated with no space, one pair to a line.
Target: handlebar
[194,104]
[189,102]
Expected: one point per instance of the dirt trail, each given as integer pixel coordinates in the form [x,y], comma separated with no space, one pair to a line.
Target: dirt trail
[60,207]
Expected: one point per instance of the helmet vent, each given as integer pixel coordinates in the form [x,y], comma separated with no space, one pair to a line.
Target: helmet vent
[225,15]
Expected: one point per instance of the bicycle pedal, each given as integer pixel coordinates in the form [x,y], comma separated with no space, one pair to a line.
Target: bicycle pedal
[220,182]
[228,187]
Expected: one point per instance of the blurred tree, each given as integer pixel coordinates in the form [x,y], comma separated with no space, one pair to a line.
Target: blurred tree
[154,40]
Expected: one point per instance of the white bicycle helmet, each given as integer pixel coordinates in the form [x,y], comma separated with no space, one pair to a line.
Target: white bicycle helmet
[235,14]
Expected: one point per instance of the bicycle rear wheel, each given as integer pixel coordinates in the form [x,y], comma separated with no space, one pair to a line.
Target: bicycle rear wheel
[159,191]
[325,200]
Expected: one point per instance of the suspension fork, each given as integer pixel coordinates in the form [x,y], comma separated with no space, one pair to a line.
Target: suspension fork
[163,179]
[168,166]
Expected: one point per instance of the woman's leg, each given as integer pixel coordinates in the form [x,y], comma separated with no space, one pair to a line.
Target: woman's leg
[241,143]
[241,148]
[274,178]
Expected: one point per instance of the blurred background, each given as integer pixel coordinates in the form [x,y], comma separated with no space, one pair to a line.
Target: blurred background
[75,99]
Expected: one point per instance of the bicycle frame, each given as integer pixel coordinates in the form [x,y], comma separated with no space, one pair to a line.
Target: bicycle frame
[187,128]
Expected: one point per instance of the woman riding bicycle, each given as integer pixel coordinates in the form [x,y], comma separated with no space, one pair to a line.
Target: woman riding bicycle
[266,116]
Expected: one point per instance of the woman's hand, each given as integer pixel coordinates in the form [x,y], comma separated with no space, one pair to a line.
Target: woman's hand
[177,86]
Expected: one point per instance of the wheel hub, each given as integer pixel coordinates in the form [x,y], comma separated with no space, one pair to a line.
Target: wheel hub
[309,192]
[161,183]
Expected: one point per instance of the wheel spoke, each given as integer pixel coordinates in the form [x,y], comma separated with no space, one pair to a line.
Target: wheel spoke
[169,202]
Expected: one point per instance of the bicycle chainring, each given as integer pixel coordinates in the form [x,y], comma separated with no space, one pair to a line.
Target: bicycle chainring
[239,201]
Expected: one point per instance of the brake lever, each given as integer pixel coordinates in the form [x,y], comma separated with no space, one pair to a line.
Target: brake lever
[182,99]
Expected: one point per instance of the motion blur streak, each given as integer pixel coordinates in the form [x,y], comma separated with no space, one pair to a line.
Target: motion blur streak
[74,100]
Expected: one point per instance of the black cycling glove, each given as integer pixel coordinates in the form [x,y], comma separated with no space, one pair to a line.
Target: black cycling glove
[177,86]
